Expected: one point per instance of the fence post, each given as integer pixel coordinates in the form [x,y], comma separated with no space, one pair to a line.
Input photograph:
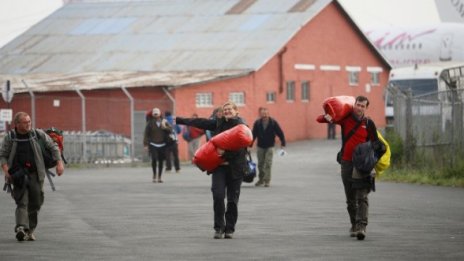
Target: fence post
[453,123]
[409,142]
[131,100]
[84,132]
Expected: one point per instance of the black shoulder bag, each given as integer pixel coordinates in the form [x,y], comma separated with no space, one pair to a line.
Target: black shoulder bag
[345,139]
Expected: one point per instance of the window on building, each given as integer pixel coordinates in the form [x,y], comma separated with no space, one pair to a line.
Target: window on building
[290,90]
[353,77]
[305,90]
[204,99]
[271,97]
[238,98]
[375,78]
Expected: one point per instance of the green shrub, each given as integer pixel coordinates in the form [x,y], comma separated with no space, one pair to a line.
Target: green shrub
[396,147]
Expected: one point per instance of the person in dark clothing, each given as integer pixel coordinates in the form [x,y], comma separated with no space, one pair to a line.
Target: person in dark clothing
[227,178]
[172,147]
[265,129]
[356,185]
[154,140]
[331,131]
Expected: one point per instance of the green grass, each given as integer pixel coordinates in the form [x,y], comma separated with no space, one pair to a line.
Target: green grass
[450,177]
[422,168]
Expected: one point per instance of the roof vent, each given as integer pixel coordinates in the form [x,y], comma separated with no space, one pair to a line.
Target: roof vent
[241,6]
[301,6]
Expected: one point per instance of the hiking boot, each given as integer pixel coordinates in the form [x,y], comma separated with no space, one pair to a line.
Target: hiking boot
[30,236]
[218,234]
[229,235]
[21,234]
[353,232]
[259,184]
[361,234]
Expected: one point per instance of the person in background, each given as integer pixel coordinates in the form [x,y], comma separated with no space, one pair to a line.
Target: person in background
[22,163]
[227,178]
[172,148]
[217,114]
[154,141]
[331,131]
[265,129]
[194,135]
[359,129]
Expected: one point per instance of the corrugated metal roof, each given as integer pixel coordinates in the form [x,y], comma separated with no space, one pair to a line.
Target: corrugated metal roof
[150,42]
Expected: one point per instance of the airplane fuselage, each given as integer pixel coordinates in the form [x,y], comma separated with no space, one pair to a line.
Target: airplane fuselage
[419,45]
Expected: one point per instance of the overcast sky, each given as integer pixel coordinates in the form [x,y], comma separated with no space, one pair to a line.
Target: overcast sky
[16,16]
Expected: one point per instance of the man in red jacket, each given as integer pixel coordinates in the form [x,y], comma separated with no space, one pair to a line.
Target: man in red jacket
[356,129]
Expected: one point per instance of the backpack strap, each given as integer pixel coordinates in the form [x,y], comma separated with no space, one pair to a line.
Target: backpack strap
[352,131]
[12,135]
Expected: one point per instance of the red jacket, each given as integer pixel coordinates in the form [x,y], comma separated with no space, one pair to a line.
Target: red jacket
[361,135]
[195,132]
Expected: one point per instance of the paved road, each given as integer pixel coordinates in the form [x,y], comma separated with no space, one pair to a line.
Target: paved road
[118,214]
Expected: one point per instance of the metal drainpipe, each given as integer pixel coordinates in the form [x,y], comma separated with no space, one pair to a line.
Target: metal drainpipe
[84,135]
[32,103]
[131,99]
[281,69]
[172,99]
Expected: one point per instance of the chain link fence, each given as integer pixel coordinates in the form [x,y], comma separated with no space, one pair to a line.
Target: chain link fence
[100,130]
[430,125]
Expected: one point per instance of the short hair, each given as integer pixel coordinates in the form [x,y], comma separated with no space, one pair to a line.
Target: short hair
[231,103]
[361,98]
[19,115]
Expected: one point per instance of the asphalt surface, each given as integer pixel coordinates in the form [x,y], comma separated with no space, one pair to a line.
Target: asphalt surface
[119,214]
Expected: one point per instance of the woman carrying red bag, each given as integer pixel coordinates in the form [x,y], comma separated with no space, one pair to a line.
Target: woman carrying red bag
[227,178]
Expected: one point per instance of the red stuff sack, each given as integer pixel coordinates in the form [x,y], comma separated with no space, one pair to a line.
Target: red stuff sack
[207,158]
[338,107]
[233,139]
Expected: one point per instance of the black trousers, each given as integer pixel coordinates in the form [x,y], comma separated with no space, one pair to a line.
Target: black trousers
[157,159]
[172,154]
[224,184]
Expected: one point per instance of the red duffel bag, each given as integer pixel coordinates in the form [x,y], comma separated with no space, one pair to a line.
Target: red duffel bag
[233,139]
[338,107]
[207,158]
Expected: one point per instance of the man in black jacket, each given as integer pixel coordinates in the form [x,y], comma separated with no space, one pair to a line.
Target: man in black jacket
[265,129]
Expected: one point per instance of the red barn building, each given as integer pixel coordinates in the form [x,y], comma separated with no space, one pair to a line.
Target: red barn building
[92,66]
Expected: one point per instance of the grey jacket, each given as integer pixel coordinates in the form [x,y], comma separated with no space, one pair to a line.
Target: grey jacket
[8,150]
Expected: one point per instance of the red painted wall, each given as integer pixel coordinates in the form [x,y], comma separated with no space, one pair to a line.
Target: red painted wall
[107,109]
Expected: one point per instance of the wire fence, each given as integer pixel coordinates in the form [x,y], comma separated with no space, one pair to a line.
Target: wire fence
[430,125]
[103,136]
[103,147]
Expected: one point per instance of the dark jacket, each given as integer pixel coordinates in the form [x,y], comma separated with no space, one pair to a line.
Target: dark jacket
[266,137]
[237,159]
[9,147]
[156,134]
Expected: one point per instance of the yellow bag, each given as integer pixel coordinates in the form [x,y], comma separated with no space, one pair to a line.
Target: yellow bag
[384,161]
